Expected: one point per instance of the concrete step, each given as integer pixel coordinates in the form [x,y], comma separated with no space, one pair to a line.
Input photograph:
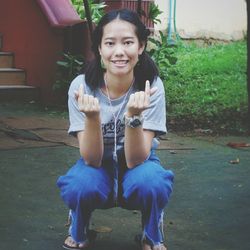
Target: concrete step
[6,59]
[9,76]
[19,93]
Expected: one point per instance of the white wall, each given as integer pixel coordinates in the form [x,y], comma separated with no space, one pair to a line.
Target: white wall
[220,19]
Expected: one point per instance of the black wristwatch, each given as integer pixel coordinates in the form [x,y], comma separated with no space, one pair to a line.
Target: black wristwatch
[134,121]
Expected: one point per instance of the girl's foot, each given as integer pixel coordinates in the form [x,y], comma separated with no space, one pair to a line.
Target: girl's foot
[69,244]
[158,247]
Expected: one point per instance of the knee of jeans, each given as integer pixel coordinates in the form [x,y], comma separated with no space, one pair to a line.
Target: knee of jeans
[149,181]
[84,189]
[154,192]
[86,195]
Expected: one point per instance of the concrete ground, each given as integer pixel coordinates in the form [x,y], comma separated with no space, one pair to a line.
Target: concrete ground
[209,208]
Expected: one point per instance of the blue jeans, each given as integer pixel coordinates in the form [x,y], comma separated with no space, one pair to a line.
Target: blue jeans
[146,187]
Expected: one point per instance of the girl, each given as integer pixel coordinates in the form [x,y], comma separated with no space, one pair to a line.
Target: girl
[117,110]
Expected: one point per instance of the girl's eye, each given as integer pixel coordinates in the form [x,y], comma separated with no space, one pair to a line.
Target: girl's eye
[129,42]
[109,44]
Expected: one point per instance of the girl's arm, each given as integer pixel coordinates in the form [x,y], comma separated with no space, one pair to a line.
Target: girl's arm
[137,145]
[138,142]
[90,139]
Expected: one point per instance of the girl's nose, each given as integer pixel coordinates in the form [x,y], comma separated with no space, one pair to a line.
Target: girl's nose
[119,50]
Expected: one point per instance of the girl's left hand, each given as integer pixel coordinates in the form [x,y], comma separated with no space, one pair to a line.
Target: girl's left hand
[139,101]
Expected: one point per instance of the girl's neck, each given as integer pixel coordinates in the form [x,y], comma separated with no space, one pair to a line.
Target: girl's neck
[117,86]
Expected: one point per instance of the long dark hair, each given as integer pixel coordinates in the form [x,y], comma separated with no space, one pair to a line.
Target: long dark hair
[144,70]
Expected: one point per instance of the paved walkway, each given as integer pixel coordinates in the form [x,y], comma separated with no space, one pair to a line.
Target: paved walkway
[209,209]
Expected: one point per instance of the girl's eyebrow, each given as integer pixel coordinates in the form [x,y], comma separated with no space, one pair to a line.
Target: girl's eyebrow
[123,38]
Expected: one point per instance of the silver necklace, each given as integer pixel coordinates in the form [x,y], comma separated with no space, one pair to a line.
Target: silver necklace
[115,117]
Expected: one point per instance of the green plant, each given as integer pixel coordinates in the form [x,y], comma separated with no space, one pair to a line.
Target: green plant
[163,54]
[68,68]
[154,12]
[96,9]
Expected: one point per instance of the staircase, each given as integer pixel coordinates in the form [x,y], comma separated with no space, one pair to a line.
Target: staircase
[13,86]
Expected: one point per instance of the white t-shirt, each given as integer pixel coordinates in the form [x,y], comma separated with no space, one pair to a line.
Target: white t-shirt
[154,116]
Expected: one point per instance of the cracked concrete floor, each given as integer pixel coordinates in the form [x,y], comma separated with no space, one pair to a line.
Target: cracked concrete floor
[209,208]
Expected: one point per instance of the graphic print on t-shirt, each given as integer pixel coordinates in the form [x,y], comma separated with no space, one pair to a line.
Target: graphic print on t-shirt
[108,130]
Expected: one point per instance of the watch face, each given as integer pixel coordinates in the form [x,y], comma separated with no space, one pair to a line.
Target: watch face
[135,123]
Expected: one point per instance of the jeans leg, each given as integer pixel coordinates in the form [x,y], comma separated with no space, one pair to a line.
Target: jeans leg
[83,189]
[147,188]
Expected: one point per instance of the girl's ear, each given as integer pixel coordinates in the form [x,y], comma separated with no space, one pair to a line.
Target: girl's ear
[142,47]
[99,48]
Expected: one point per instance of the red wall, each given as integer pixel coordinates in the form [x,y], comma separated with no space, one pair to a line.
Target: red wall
[36,45]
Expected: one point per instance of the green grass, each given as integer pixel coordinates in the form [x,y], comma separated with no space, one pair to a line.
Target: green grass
[207,88]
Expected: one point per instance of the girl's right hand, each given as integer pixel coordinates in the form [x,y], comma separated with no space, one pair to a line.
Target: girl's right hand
[87,104]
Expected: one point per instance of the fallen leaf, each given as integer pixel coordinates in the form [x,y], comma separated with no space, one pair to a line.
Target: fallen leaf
[103,229]
[238,144]
[236,161]
[203,131]
[172,152]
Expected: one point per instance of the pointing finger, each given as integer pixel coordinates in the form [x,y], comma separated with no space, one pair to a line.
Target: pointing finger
[147,88]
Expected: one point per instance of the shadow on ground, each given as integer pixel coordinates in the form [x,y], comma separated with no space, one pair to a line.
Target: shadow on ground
[209,208]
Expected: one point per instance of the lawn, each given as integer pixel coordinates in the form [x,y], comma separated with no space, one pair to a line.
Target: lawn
[206,88]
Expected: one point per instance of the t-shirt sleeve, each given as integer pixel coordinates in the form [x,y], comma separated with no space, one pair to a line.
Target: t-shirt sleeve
[76,117]
[155,115]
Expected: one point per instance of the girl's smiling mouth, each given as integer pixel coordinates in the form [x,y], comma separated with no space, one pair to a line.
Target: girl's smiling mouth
[119,62]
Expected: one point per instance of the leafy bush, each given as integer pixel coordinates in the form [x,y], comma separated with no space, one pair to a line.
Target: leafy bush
[207,87]
[68,68]
[163,54]
[96,9]
[154,12]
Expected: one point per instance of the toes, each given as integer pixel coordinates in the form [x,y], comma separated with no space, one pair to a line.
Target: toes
[146,247]
[159,247]
[81,245]
[70,242]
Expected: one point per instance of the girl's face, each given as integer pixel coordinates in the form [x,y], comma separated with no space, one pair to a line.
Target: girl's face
[120,47]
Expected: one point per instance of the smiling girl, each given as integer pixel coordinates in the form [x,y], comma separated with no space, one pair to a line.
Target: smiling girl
[117,111]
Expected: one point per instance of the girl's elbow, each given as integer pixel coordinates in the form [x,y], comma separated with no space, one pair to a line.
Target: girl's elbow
[92,161]
[131,163]
[134,163]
